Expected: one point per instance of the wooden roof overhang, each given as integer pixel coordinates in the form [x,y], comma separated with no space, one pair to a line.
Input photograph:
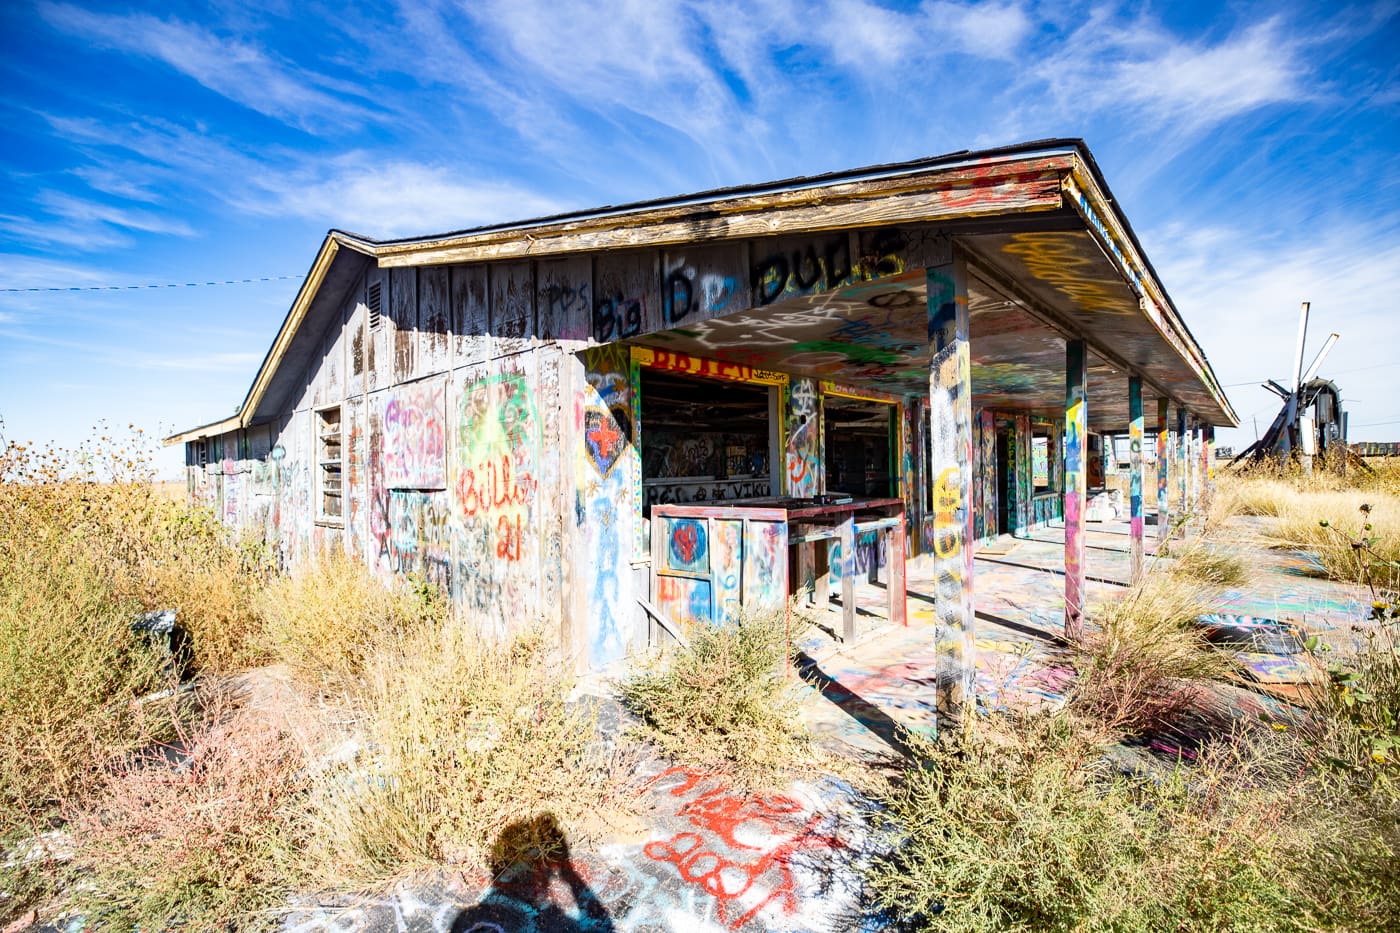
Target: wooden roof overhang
[1050,256]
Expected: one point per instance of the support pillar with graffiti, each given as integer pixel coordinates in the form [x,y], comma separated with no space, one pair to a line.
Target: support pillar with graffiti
[950,470]
[1182,455]
[1163,466]
[1135,518]
[1208,462]
[1076,430]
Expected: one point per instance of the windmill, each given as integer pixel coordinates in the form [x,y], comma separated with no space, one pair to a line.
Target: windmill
[1311,421]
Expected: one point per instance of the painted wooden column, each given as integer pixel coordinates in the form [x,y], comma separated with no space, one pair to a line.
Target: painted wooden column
[1193,476]
[1208,461]
[1163,465]
[1076,430]
[1183,463]
[950,472]
[1106,455]
[1135,477]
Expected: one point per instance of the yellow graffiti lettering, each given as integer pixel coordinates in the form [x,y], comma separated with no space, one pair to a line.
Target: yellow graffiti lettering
[947,499]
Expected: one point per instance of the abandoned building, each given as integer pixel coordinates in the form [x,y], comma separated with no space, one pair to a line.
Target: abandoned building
[687,406]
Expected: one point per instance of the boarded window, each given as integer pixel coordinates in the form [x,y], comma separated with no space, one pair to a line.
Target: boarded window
[329,465]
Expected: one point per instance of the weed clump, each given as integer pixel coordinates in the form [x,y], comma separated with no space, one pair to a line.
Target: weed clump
[1143,661]
[1018,823]
[723,700]
[461,738]
[1209,565]
[207,842]
[329,616]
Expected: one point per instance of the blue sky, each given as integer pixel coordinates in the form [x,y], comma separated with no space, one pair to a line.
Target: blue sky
[1254,148]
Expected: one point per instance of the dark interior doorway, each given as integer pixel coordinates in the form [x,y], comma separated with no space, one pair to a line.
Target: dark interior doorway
[1006,483]
[860,447]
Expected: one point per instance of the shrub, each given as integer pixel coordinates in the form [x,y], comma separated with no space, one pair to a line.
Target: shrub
[207,843]
[1018,824]
[99,506]
[723,700]
[1143,655]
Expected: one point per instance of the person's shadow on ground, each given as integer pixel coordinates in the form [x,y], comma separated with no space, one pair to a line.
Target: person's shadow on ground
[530,867]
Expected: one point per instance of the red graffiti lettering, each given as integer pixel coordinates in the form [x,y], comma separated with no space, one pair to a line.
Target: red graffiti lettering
[500,487]
[744,848]
[508,538]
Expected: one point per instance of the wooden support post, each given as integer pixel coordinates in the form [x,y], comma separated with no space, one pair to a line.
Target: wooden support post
[821,597]
[806,567]
[1135,426]
[898,588]
[1208,461]
[1106,455]
[848,578]
[950,472]
[1163,465]
[1183,461]
[1076,431]
[1193,475]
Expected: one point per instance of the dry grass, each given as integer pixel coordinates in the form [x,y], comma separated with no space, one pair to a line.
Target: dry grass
[724,701]
[1143,660]
[462,738]
[330,615]
[1208,564]
[1323,514]
[1019,823]
[1355,535]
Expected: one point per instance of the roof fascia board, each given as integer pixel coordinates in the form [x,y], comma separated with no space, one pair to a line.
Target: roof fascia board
[1021,151]
[204,430]
[867,201]
[304,299]
[1103,221]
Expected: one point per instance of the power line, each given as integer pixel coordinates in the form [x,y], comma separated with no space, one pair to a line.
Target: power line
[118,288]
[1340,372]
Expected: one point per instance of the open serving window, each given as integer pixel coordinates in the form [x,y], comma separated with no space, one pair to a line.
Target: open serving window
[705,440]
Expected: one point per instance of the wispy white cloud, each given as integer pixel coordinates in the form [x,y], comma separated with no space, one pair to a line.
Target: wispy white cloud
[86,225]
[80,211]
[988,30]
[391,199]
[235,69]
[28,271]
[1264,64]
[1139,69]
[113,181]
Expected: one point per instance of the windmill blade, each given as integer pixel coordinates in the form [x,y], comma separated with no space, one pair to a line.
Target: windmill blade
[1321,355]
[1302,339]
[1275,388]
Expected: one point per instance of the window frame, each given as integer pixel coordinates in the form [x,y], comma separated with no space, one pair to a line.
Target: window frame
[329,426]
